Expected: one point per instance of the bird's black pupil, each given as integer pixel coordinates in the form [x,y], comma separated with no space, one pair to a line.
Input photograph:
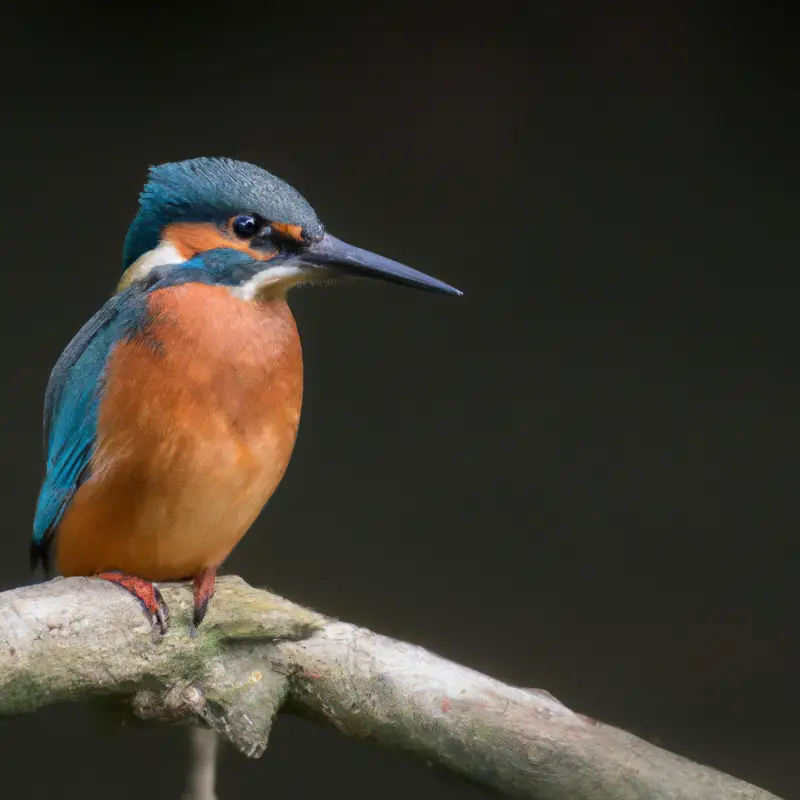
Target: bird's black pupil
[245,225]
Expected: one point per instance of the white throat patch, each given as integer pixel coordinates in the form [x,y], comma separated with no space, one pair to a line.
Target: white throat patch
[269,280]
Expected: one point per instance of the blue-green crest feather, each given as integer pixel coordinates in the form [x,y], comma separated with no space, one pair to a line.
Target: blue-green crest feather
[212,190]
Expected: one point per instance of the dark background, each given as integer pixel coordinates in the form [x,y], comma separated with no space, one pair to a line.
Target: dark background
[580,476]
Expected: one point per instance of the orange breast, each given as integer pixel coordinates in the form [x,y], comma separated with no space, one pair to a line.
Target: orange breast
[196,428]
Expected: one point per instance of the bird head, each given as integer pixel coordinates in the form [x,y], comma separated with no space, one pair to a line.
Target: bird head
[257,233]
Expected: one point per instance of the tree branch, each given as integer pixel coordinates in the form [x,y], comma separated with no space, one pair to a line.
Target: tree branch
[256,654]
[202,765]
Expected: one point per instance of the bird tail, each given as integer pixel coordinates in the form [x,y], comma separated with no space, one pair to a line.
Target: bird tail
[40,554]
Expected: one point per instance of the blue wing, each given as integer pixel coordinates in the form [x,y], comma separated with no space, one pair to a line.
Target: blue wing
[70,418]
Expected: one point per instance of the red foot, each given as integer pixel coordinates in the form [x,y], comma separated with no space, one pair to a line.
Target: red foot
[144,591]
[204,583]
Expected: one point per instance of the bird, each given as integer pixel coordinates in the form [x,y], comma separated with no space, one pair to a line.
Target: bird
[171,416]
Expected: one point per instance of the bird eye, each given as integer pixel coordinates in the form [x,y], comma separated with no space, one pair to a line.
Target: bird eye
[246,226]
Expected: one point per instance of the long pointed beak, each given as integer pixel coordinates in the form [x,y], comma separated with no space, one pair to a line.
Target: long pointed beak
[332,253]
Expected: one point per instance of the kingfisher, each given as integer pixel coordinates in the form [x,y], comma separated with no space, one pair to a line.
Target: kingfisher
[171,416]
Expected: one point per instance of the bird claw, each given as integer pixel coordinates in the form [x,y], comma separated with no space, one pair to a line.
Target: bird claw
[161,616]
[204,588]
[146,593]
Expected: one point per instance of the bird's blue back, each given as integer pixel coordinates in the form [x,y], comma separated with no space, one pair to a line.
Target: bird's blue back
[70,413]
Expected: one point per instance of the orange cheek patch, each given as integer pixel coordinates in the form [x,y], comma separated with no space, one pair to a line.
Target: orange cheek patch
[294,232]
[191,238]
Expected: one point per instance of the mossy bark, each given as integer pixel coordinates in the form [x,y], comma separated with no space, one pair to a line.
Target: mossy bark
[257,654]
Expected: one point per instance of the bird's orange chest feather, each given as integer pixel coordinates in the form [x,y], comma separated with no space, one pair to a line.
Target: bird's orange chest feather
[197,423]
[209,361]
